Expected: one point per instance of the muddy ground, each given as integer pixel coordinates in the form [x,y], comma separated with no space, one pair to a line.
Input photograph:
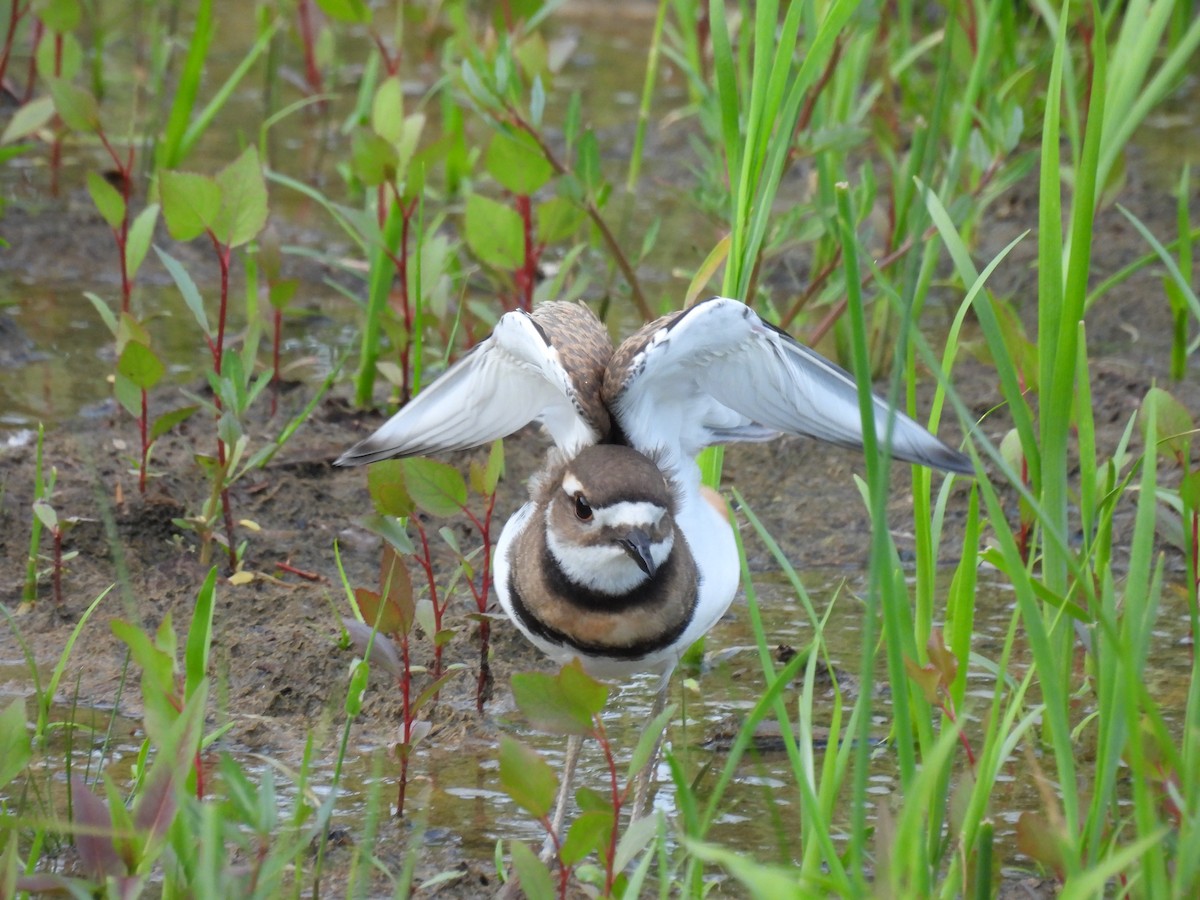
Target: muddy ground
[276,647]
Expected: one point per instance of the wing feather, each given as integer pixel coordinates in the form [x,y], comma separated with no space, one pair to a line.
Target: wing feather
[717,372]
[510,379]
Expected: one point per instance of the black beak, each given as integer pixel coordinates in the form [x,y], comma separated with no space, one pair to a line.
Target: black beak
[637,545]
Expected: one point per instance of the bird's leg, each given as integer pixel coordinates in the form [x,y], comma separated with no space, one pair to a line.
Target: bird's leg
[641,794]
[570,761]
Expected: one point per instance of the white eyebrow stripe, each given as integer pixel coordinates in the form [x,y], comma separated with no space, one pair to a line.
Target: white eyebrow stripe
[571,485]
[630,514]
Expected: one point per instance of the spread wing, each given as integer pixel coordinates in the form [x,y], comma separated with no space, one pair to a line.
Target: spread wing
[717,372]
[546,367]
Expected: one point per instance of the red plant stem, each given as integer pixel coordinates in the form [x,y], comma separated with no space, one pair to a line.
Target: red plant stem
[15,12]
[962,738]
[224,253]
[526,276]
[143,428]
[483,685]
[564,871]
[312,73]
[426,562]
[35,38]
[196,764]
[617,801]
[299,573]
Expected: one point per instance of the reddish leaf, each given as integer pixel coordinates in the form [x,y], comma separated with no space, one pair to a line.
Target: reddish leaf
[927,678]
[97,856]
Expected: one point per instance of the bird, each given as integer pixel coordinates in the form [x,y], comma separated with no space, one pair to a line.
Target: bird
[621,558]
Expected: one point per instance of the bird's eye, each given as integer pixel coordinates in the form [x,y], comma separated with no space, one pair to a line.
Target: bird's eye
[582,509]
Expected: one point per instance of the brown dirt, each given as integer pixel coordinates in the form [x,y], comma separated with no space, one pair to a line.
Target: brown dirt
[277,653]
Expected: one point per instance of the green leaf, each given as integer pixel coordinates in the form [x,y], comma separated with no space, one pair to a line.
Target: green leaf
[387,111]
[587,163]
[137,244]
[59,16]
[15,750]
[762,882]
[61,53]
[107,199]
[494,233]
[590,831]
[190,203]
[102,310]
[74,105]
[199,638]
[434,486]
[517,163]
[527,778]
[373,159]
[1173,421]
[565,703]
[648,739]
[243,200]
[29,118]
[355,12]
[385,482]
[45,514]
[535,879]
[169,420]
[557,219]
[140,365]
[187,287]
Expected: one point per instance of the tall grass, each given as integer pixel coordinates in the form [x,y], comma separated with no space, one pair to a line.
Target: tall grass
[867,140]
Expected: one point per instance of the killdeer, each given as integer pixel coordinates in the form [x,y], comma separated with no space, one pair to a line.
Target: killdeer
[621,558]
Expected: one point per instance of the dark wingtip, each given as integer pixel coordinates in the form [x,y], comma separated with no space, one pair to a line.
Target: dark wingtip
[950,460]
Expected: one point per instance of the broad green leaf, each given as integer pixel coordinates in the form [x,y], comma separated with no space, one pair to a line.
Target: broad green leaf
[58,16]
[582,688]
[140,365]
[557,219]
[535,879]
[15,750]
[60,53]
[373,158]
[107,199]
[527,778]
[387,111]
[243,200]
[74,105]
[385,482]
[565,703]
[190,203]
[434,486]
[517,162]
[130,329]
[45,514]
[1173,421]
[141,232]
[485,477]
[128,394]
[29,118]
[355,12]
[169,420]
[590,831]
[494,233]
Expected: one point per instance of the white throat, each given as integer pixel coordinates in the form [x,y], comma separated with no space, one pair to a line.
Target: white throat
[604,568]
